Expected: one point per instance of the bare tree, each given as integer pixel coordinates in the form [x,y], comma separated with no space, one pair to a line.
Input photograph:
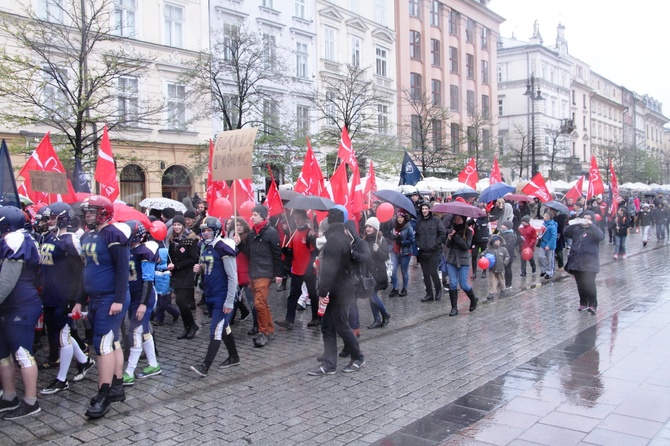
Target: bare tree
[556,149]
[517,148]
[477,137]
[72,71]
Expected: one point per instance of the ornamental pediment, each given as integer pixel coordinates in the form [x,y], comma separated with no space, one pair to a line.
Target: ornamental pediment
[331,13]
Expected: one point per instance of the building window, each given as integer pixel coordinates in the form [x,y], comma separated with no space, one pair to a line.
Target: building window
[382,56]
[380,12]
[270,52]
[485,72]
[176,106]
[453,59]
[584,122]
[302,121]
[415,86]
[499,73]
[355,51]
[230,40]
[435,52]
[270,116]
[382,118]
[436,91]
[455,137]
[436,127]
[300,8]
[454,19]
[414,8]
[470,102]
[416,131]
[54,100]
[127,100]
[453,97]
[470,66]
[174,26]
[500,107]
[486,107]
[415,45]
[435,10]
[330,37]
[268,3]
[574,98]
[485,37]
[51,10]
[301,58]
[584,101]
[132,181]
[124,18]
[470,30]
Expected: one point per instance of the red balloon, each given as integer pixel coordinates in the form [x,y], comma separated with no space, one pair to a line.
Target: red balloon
[221,209]
[527,253]
[158,230]
[483,263]
[245,209]
[385,212]
[598,217]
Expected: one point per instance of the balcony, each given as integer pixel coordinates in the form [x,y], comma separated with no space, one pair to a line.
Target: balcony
[567,126]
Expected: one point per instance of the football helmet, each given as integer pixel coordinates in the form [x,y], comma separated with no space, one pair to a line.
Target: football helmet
[212,223]
[11,219]
[63,213]
[103,208]
[138,233]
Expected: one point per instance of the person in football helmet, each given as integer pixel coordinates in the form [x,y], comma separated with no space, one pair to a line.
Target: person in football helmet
[98,211]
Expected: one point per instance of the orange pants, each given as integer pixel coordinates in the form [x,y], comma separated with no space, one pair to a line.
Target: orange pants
[260,289]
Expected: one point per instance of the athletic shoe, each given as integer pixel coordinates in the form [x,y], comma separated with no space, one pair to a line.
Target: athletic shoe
[320,372]
[301,305]
[616,256]
[128,380]
[624,256]
[149,371]
[354,366]
[55,387]
[285,324]
[200,369]
[582,308]
[543,274]
[592,310]
[261,340]
[23,410]
[229,362]
[82,370]
[315,322]
[6,405]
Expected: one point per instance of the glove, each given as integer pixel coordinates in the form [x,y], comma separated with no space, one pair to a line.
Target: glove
[375,247]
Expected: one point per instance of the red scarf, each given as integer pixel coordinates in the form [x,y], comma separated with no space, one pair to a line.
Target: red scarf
[259,226]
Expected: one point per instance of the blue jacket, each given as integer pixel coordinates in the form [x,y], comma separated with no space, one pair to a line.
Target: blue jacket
[550,235]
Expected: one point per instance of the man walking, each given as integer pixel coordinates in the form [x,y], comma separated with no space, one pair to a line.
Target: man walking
[430,235]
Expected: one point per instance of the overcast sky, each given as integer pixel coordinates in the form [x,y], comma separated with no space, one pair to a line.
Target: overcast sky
[625,42]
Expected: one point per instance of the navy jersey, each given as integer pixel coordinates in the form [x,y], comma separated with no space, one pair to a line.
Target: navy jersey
[219,269]
[19,246]
[106,258]
[61,266]
[143,260]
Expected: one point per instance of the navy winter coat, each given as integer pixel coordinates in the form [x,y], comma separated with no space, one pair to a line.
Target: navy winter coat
[585,249]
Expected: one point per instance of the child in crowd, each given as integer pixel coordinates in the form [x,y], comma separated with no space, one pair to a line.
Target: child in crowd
[496,273]
[512,245]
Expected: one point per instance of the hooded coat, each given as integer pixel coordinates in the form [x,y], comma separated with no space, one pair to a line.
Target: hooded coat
[430,235]
[501,254]
[585,250]
[550,235]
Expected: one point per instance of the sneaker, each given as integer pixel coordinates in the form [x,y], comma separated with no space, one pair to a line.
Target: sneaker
[149,371]
[548,277]
[534,270]
[253,331]
[285,324]
[230,362]
[543,274]
[55,387]
[625,256]
[354,366]
[301,305]
[644,243]
[23,410]
[49,365]
[320,372]
[523,273]
[128,380]
[315,322]
[582,308]
[261,340]
[489,297]
[6,405]
[200,369]
[592,310]
[403,292]
[616,256]
[393,293]
[82,370]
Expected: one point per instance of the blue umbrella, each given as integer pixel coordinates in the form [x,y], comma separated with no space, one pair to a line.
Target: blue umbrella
[495,191]
[466,193]
[397,199]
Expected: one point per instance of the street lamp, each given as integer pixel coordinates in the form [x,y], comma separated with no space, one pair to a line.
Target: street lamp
[533,96]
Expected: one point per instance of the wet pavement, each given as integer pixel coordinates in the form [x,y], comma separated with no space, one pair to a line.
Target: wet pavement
[523,370]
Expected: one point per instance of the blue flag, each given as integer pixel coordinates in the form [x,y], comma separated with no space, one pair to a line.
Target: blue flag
[9,196]
[409,173]
[79,180]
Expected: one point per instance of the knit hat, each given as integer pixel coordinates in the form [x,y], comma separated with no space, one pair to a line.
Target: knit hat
[494,238]
[525,219]
[261,210]
[189,214]
[507,224]
[179,219]
[168,213]
[372,221]
[335,216]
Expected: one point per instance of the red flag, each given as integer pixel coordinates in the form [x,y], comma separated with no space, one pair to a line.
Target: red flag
[469,175]
[339,185]
[370,184]
[496,177]
[215,189]
[576,192]
[241,191]
[537,188]
[272,199]
[346,152]
[596,185]
[105,170]
[310,181]
[45,159]
[614,184]
[356,200]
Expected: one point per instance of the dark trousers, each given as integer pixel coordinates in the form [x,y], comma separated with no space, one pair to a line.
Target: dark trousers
[296,291]
[334,322]
[532,264]
[477,247]
[586,287]
[164,304]
[429,266]
[559,257]
[185,298]
[508,275]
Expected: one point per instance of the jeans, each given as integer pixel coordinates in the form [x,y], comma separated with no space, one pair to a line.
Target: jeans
[354,319]
[547,261]
[333,323]
[403,262]
[377,306]
[619,244]
[660,231]
[429,265]
[458,275]
[586,287]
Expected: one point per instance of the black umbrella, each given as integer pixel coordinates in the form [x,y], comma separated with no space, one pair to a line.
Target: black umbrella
[397,199]
[287,195]
[310,202]
[555,205]
[466,193]
[457,208]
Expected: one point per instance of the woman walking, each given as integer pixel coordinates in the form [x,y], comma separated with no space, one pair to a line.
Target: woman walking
[401,253]
[584,259]
[183,250]
[459,241]
[380,254]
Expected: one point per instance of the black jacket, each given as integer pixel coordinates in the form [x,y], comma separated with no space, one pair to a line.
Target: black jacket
[335,279]
[585,250]
[459,246]
[184,254]
[265,254]
[377,266]
[430,235]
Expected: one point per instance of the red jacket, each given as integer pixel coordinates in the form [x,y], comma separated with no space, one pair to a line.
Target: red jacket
[242,268]
[529,235]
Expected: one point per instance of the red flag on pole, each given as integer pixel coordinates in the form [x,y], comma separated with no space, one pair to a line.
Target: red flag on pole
[105,169]
[272,199]
[346,151]
[614,184]
[310,181]
[469,175]
[339,185]
[45,159]
[576,192]
[370,184]
[496,176]
[241,191]
[215,189]
[356,200]
[596,185]
[537,188]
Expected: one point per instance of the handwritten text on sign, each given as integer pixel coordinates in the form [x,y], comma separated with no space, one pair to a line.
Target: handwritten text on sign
[233,154]
[49,182]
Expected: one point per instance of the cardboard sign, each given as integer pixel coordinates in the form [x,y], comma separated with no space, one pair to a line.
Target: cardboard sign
[49,182]
[233,154]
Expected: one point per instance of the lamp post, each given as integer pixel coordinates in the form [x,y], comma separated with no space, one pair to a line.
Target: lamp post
[532,96]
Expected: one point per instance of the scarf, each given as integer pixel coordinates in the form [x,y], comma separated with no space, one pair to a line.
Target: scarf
[259,226]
